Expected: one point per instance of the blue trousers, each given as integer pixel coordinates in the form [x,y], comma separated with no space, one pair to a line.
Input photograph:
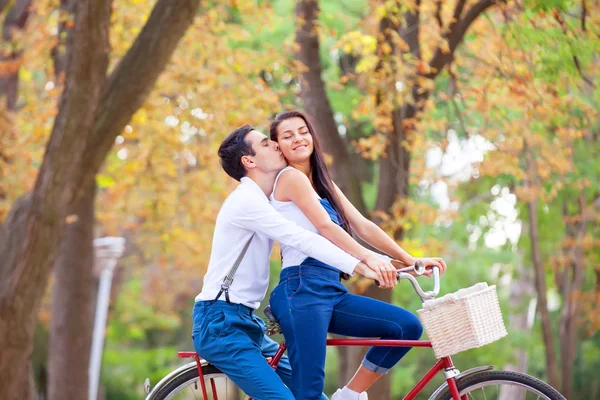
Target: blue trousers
[310,301]
[233,339]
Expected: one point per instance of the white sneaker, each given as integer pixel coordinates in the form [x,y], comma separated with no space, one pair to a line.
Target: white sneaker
[339,395]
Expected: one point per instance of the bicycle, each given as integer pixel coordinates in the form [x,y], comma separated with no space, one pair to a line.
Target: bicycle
[196,377]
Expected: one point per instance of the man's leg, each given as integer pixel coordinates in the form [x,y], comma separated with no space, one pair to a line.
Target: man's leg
[230,340]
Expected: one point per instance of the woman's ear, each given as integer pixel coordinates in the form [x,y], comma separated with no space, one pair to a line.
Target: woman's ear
[248,162]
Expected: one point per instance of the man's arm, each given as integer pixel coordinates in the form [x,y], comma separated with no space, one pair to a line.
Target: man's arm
[256,214]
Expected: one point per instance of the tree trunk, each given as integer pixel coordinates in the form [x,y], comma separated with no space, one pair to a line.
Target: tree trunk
[395,168]
[540,285]
[82,136]
[572,281]
[521,293]
[73,292]
[317,105]
[72,306]
[540,274]
[29,238]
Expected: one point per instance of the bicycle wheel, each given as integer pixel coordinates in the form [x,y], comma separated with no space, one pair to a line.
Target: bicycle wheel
[187,386]
[502,385]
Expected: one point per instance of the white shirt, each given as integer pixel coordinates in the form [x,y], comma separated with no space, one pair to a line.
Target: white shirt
[245,211]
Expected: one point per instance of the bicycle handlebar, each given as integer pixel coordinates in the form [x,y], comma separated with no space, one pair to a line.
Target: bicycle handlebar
[419,268]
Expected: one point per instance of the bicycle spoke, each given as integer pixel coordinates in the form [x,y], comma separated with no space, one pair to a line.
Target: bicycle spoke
[508,386]
[214,389]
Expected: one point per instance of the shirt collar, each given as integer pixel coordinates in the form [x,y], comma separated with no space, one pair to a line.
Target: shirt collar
[251,185]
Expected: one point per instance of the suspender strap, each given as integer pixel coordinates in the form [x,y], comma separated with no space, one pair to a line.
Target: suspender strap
[229,278]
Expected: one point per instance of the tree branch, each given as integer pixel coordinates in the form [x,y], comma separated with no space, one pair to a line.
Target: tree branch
[3,4]
[135,76]
[66,12]
[456,32]
[15,21]
[563,26]
[584,11]
[438,14]
[54,189]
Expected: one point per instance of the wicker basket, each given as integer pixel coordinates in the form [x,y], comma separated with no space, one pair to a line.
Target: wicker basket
[463,320]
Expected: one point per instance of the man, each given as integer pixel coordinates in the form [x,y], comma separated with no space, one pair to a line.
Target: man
[226,332]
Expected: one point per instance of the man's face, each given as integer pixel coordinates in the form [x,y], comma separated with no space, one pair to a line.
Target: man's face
[268,158]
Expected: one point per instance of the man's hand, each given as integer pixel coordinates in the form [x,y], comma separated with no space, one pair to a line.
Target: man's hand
[368,273]
[386,273]
[362,269]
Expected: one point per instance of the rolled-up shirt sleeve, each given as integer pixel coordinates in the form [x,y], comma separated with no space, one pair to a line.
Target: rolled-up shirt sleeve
[256,214]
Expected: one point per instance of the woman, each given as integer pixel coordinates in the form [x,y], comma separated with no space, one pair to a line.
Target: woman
[310,299]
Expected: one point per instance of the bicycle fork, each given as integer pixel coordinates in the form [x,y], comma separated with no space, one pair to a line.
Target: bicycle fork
[450,372]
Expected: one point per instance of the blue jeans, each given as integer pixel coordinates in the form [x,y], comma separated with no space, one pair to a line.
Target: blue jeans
[310,301]
[233,339]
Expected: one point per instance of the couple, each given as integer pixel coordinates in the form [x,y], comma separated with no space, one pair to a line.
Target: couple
[286,194]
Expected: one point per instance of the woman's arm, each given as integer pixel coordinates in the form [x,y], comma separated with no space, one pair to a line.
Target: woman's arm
[294,186]
[376,237]
[371,233]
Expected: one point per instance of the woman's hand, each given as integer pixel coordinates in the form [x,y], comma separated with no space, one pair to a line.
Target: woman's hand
[431,262]
[386,273]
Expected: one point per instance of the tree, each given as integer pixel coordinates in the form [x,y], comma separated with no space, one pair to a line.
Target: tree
[100,108]
[542,128]
[399,60]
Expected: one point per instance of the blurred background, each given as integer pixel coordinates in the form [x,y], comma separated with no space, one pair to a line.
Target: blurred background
[468,129]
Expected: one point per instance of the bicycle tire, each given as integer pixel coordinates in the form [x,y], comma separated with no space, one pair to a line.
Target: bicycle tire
[516,379]
[188,378]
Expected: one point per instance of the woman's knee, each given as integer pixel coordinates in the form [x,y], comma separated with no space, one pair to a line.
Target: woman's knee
[413,328]
[406,326]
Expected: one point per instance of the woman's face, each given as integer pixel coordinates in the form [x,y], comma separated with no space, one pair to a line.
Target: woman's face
[295,140]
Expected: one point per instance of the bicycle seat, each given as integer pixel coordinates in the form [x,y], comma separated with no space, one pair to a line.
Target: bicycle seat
[273,327]
[269,314]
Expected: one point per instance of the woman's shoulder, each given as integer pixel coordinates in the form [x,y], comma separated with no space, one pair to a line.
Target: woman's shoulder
[292,174]
[280,178]
[289,177]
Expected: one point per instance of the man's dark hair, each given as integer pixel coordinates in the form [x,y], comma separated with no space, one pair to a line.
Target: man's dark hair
[233,148]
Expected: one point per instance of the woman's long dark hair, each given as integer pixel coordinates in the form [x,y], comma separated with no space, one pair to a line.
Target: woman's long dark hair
[320,174]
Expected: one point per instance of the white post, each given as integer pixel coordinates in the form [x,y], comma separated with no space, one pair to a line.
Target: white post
[108,250]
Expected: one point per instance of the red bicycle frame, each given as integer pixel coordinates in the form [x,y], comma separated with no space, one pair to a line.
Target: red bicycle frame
[443,364]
